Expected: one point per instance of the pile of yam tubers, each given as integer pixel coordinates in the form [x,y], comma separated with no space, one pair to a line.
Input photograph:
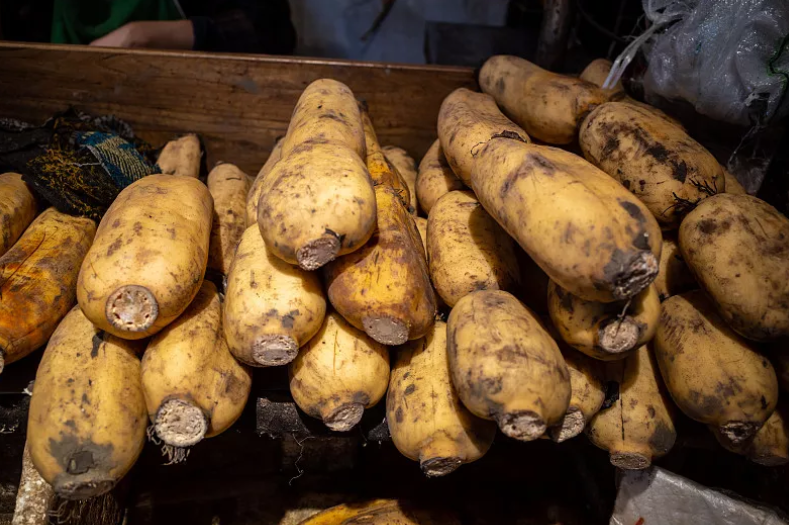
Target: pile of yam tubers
[639,277]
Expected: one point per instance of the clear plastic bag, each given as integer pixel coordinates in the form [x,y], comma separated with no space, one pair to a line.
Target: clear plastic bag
[728,58]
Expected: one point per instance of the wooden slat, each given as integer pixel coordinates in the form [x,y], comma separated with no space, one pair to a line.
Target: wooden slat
[239,104]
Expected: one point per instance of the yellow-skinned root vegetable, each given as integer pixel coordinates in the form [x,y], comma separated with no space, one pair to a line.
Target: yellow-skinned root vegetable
[38,281]
[18,208]
[674,276]
[737,246]
[606,331]
[505,366]
[421,226]
[229,187]
[466,122]
[181,157]
[426,418]
[318,201]
[714,376]
[597,73]
[589,234]
[149,256]
[384,288]
[435,178]
[316,205]
[271,307]
[193,386]
[326,112]
[587,394]
[467,249]
[732,184]
[380,512]
[381,170]
[253,197]
[665,168]
[549,106]
[339,373]
[87,418]
[770,445]
[637,427]
[406,166]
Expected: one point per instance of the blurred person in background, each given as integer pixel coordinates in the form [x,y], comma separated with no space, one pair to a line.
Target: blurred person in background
[242,26]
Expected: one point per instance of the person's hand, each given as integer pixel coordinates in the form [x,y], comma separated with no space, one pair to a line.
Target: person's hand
[177,34]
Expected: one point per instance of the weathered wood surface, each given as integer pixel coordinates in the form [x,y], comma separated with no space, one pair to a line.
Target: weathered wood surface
[239,104]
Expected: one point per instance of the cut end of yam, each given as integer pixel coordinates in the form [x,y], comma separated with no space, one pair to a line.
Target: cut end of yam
[737,432]
[635,275]
[344,417]
[180,424]
[618,335]
[386,330]
[436,467]
[630,460]
[274,350]
[83,486]
[524,426]
[572,424]
[318,252]
[132,308]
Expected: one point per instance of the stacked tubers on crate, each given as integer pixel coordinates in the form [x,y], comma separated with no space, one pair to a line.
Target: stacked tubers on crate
[650,288]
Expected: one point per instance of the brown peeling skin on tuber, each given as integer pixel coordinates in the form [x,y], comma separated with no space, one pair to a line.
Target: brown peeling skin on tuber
[619,335]
[386,330]
[525,426]
[38,279]
[132,308]
[314,254]
[344,417]
[737,432]
[436,467]
[630,460]
[572,425]
[636,275]
[180,423]
[274,350]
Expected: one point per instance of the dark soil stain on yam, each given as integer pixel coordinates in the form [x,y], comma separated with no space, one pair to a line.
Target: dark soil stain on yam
[708,226]
[679,171]
[633,210]
[114,247]
[658,152]
[98,338]
[540,162]
[289,318]
[662,439]
[610,146]
[78,457]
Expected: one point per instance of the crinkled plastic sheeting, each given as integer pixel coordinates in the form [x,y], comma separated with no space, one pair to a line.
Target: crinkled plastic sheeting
[655,495]
[727,58]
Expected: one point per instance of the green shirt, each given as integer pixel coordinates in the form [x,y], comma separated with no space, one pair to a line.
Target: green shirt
[83,21]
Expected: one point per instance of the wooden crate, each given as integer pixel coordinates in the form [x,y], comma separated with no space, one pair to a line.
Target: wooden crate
[238,104]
